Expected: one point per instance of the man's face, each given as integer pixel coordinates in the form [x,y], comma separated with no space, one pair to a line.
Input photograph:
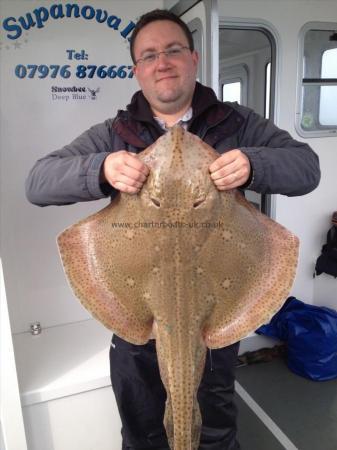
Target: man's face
[167,82]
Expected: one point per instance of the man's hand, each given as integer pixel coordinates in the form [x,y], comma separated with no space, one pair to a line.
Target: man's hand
[124,171]
[230,170]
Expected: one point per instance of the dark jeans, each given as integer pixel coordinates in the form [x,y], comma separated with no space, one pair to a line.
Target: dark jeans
[141,396]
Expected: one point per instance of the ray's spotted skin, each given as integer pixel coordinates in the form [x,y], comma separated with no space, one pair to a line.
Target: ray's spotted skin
[196,286]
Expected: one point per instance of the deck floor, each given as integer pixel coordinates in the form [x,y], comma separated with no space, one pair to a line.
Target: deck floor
[279,409]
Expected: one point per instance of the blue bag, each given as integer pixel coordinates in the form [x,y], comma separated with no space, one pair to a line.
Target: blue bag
[311,336]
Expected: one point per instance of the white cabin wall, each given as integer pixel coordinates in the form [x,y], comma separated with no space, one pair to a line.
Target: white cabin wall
[307,216]
[87,421]
[32,125]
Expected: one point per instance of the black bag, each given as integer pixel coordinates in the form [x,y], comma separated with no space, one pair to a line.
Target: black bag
[327,262]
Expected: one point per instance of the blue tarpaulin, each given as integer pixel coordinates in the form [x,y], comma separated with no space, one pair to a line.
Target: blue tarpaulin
[310,333]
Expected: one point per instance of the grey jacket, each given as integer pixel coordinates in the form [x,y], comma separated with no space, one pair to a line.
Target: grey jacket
[279,163]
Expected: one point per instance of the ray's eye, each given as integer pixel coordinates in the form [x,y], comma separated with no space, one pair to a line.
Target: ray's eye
[155,202]
[198,202]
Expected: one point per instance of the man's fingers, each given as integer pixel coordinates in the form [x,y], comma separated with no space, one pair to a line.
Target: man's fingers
[223,160]
[132,173]
[131,160]
[230,170]
[126,188]
[124,179]
[121,169]
[225,171]
[230,182]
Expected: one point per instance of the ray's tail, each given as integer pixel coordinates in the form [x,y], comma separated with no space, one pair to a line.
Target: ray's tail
[181,368]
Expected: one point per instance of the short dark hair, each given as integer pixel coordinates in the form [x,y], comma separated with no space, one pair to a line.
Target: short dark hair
[152,16]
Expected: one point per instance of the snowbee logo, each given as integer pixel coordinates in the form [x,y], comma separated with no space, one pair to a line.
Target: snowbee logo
[93,93]
[66,94]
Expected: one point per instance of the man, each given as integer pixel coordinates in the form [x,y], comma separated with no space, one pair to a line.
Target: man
[103,161]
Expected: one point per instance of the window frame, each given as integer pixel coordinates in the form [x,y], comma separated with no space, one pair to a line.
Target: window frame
[238,72]
[323,130]
[195,27]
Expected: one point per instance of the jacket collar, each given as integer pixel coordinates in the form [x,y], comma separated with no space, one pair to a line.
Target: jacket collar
[130,124]
[203,98]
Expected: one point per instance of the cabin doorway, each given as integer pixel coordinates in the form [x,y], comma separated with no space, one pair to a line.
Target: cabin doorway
[246,76]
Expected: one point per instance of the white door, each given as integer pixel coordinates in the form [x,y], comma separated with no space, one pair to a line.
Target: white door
[203,20]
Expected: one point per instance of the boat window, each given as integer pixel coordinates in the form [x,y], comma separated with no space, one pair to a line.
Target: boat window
[327,107]
[317,93]
[231,91]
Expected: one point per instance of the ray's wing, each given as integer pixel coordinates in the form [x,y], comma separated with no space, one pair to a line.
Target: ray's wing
[253,262]
[104,264]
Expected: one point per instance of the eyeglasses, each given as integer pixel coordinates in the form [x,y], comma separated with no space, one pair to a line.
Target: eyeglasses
[171,53]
